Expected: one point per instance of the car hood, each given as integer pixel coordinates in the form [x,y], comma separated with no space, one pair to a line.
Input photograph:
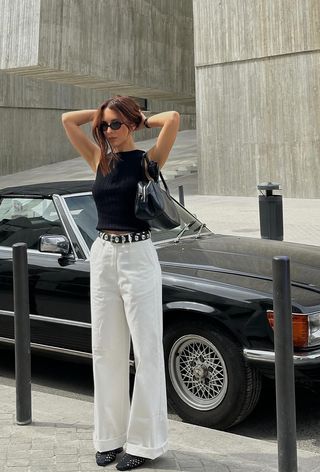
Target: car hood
[247,258]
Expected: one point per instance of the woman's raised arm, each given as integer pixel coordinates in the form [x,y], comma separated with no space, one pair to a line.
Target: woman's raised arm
[169,122]
[72,121]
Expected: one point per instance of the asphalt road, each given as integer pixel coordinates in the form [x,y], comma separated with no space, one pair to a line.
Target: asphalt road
[74,379]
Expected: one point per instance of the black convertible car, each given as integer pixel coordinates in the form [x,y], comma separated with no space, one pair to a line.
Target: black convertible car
[217,298]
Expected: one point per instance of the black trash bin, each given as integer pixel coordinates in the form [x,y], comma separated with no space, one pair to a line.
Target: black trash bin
[271,212]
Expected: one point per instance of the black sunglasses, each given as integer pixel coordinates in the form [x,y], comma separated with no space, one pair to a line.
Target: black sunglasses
[113,125]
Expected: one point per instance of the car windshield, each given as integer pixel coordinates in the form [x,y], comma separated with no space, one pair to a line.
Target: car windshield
[25,219]
[84,213]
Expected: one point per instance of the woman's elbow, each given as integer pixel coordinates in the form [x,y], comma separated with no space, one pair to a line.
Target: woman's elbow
[176,116]
[175,119]
[64,117]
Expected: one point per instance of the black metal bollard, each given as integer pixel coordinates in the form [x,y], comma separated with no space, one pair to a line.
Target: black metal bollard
[285,386]
[22,334]
[181,195]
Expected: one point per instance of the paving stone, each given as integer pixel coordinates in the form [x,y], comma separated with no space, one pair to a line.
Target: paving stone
[16,469]
[67,437]
[86,442]
[42,444]
[20,438]
[66,458]
[93,468]
[5,416]
[42,462]
[87,458]
[18,453]
[41,468]
[23,462]
[85,435]
[66,467]
[6,421]
[24,446]
[5,431]
[198,468]
[66,451]
[65,431]
[66,444]
[82,429]
[40,454]
[43,433]
[165,464]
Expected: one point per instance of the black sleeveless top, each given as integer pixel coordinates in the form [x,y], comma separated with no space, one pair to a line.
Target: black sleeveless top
[115,193]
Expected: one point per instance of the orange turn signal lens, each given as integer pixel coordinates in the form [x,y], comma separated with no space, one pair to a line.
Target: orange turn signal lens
[300,328]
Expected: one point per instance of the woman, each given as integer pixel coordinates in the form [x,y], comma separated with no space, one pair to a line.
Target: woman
[126,285]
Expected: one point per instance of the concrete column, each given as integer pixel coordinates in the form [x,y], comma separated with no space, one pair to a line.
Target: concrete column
[257,93]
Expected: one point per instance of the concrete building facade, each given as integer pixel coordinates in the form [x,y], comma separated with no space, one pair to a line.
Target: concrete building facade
[257,70]
[256,66]
[57,55]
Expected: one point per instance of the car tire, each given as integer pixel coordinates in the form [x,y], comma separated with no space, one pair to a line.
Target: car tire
[208,380]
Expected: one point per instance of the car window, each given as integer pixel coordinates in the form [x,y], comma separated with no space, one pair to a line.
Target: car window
[84,213]
[26,219]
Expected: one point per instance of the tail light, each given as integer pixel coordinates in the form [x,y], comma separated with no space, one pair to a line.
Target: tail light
[301,335]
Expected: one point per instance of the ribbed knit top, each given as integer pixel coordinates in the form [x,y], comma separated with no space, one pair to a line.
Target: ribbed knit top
[114,194]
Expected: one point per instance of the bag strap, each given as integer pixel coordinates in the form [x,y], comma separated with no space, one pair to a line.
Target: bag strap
[146,159]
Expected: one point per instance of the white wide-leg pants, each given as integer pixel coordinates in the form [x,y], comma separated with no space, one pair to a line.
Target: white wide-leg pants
[126,299]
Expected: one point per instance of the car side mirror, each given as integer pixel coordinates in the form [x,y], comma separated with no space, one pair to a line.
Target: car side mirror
[54,243]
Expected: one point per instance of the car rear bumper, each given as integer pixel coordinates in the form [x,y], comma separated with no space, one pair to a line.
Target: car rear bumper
[300,359]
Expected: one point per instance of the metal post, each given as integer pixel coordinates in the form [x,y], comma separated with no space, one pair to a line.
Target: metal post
[181,195]
[22,334]
[284,370]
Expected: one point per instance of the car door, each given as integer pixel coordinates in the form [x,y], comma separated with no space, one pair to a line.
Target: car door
[58,286]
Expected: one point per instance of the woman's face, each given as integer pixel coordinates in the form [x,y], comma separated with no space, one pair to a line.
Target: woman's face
[118,137]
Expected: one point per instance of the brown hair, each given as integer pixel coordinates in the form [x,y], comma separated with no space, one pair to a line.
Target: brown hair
[130,112]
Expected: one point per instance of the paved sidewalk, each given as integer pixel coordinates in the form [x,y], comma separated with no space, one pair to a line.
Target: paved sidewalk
[60,440]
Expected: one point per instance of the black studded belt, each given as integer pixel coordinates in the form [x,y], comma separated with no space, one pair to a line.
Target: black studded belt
[125,238]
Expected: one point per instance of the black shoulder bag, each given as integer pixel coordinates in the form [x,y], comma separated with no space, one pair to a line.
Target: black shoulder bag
[154,203]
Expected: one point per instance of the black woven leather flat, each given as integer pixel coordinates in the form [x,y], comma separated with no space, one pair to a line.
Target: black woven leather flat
[106,457]
[129,462]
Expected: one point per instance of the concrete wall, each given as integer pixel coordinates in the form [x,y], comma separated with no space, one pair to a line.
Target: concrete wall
[59,55]
[141,48]
[257,94]
[30,120]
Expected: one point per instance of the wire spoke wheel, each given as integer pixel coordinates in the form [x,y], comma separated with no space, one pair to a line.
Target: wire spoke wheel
[198,372]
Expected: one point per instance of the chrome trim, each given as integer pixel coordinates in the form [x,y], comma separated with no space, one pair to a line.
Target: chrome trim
[78,194]
[50,319]
[33,251]
[45,347]
[55,197]
[303,358]
[72,223]
[194,306]
[57,244]
[259,356]
[157,243]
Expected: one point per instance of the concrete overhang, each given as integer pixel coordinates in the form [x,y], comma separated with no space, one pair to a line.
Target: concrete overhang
[141,48]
